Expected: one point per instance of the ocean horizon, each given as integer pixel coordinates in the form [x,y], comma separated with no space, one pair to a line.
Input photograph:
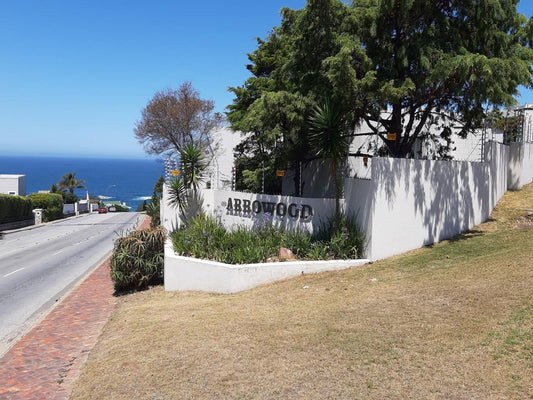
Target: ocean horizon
[127,180]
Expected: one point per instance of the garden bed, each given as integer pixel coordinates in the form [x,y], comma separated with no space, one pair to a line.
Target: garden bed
[188,273]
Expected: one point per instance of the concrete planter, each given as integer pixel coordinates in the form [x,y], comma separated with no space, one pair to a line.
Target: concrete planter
[186,273]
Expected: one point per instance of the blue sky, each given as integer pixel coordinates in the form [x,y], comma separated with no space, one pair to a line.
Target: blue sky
[75,75]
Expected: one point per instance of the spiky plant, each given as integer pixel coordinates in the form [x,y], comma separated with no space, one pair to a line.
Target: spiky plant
[329,139]
[193,165]
[138,259]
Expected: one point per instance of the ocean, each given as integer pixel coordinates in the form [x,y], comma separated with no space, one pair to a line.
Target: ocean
[127,180]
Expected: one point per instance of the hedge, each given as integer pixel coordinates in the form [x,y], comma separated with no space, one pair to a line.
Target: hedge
[51,203]
[12,207]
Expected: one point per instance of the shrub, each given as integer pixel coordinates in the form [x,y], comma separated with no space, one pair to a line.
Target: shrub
[137,260]
[348,241]
[69,198]
[51,203]
[205,238]
[13,207]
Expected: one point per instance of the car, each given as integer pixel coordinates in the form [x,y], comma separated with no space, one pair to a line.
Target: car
[102,210]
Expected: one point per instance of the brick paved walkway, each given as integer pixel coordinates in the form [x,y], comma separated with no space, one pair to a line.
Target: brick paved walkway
[45,363]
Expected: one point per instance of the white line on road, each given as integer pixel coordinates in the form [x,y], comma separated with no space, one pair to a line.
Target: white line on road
[58,252]
[13,272]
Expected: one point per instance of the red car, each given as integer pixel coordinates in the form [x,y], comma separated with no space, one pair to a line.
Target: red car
[102,210]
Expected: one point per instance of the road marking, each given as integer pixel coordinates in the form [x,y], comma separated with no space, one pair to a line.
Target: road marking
[57,252]
[13,272]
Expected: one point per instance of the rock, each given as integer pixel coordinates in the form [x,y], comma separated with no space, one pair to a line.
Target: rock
[285,254]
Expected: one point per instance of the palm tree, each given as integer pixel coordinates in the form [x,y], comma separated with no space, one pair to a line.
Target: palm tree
[329,138]
[69,182]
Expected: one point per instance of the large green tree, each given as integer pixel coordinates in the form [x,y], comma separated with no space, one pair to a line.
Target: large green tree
[401,66]
[304,62]
[440,63]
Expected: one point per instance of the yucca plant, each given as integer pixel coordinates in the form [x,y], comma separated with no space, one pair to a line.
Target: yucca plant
[177,196]
[193,165]
[329,138]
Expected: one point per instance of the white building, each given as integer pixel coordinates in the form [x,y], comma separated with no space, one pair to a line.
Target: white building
[220,170]
[13,184]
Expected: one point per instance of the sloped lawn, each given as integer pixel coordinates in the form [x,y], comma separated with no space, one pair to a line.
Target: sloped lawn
[451,321]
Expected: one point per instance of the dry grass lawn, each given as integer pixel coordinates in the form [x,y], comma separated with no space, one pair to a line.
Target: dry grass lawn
[454,321]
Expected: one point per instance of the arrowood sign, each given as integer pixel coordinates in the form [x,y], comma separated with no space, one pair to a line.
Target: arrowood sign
[236,206]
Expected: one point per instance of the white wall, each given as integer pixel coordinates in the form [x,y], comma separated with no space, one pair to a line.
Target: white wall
[404,204]
[69,208]
[220,167]
[186,273]
[520,165]
[235,209]
[168,213]
[411,203]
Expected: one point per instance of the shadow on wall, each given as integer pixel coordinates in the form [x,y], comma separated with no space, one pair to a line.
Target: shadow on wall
[515,164]
[359,202]
[316,180]
[497,157]
[411,203]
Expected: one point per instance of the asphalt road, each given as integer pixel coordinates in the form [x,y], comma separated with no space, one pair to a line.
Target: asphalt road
[39,265]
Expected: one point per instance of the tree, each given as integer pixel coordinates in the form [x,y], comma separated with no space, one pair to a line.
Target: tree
[403,67]
[153,209]
[69,198]
[69,182]
[174,118]
[301,64]
[439,64]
